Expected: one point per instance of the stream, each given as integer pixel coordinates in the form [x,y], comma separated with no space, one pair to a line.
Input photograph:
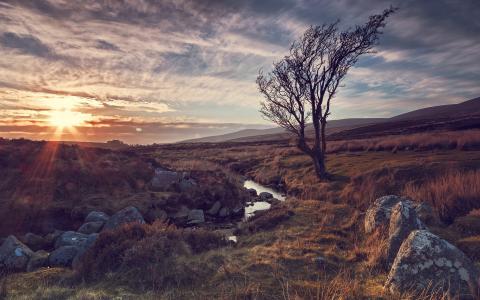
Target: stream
[260,205]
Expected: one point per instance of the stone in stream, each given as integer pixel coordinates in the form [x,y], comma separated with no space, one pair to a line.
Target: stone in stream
[14,255]
[265,196]
[427,262]
[252,192]
[127,215]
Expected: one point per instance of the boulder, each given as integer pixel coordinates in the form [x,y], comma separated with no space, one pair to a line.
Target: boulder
[379,212]
[265,196]
[426,213]
[38,260]
[127,215]
[52,237]
[96,216]
[224,212]
[196,216]
[182,213]
[34,242]
[91,227]
[155,214]
[164,179]
[252,192]
[403,220]
[71,238]
[427,262]
[215,208]
[186,185]
[92,238]
[14,255]
[63,256]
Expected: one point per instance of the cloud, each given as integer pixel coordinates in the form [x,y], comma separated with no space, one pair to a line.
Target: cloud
[25,44]
[104,45]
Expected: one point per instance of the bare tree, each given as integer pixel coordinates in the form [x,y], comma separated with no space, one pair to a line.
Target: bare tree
[301,86]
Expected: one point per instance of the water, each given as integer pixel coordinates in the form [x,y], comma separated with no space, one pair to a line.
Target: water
[260,205]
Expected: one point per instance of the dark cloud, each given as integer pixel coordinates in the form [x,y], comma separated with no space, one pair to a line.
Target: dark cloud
[104,45]
[27,44]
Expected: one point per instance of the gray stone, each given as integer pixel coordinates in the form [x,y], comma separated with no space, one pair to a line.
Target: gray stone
[186,185]
[403,220]
[427,262]
[164,179]
[96,216]
[14,255]
[63,256]
[182,213]
[196,216]
[71,238]
[378,213]
[215,208]
[38,260]
[34,242]
[265,195]
[224,212]
[127,215]
[91,227]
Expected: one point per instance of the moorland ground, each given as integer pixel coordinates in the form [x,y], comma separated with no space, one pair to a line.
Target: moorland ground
[311,246]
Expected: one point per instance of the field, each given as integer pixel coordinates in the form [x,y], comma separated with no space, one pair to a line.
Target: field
[312,246]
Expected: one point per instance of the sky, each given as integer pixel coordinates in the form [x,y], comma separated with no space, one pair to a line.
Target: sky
[149,71]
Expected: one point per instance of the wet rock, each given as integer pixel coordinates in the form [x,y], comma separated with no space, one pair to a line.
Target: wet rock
[14,255]
[265,196]
[427,262]
[196,216]
[215,208]
[127,215]
[63,256]
[403,220]
[379,212]
[96,216]
[34,242]
[91,227]
[38,260]
[252,192]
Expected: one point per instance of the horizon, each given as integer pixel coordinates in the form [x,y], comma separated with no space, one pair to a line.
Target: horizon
[164,72]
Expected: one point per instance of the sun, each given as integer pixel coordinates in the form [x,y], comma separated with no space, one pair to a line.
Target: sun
[67,118]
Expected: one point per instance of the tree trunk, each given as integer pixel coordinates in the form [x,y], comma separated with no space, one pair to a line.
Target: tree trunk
[319,164]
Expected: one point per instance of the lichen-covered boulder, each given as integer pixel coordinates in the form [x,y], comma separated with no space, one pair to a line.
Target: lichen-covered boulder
[91,227]
[403,220]
[196,216]
[127,215]
[379,212]
[96,216]
[38,260]
[63,256]
[14,255]
[427,262]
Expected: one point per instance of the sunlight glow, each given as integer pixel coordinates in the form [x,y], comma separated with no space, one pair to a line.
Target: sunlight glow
[68,118]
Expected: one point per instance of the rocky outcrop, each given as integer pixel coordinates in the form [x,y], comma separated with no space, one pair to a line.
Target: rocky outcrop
[127,215]
[14,255]
[71,238]
[427,262]
[379,212]
[91,227]
[63,256]
[403,220]
[96,216]
[34,241]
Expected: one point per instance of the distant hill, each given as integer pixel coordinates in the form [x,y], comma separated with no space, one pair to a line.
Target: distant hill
[463,115]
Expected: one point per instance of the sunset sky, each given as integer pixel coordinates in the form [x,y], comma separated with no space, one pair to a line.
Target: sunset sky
[161,71]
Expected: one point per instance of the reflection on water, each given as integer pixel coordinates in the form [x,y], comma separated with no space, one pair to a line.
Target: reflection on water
[260,205]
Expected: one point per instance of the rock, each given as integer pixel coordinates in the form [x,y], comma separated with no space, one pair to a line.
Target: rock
[182,213]
[425,261]
[379,212]
[71,238]
[403,220]
[239,209]
[156,214]
[164,179]
[52,237]
[196,216]
[265,195]
[96,216]
[127,215]
[91,227]
[186,185]
[63,256]
[224,212]
[34,242]
[38,260]
[215,208]
[92,238]
[252,192]
[426,213]
[14,255]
